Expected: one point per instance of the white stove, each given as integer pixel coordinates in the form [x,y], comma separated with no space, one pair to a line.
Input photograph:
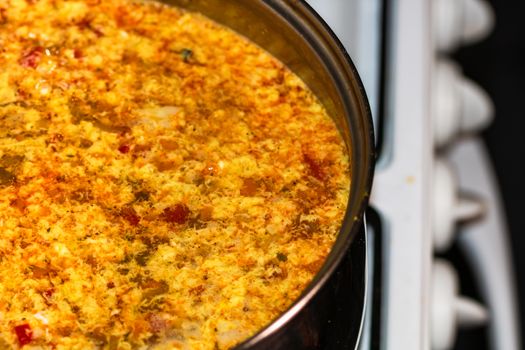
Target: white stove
[434,185]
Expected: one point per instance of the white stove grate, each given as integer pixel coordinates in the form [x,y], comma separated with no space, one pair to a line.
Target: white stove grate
[424,103]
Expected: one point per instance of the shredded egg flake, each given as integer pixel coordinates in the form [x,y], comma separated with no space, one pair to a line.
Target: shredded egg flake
[164,183]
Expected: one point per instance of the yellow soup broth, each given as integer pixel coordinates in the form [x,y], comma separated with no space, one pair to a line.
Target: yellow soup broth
[164,183]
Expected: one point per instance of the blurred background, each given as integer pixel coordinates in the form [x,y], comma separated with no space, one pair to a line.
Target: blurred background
[452,71]
[497,63]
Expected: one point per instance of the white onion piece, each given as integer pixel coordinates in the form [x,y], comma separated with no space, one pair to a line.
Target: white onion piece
[158,116]
[229,338]
[229,334]
[41,317]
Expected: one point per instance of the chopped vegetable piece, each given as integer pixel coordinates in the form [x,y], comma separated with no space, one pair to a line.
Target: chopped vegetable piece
[77,53]
[168,144]
[6,177]
[99,337]
[249,187]
[87,23]
[211,170]
[153,288]
[142,257]
[56,138]
[282,257]
[197,290]
[113,342]
[164,165]
[85,143]
[315,167]
[142,196]
[24,334]
[82,195]
[40,272]
[123,270]
[186,55]
[31,58]
[178,214]
[11,161]
[19,203]
[206,213]
[113,128]
[124,149]
[48,293]
[130,215]
[157,323]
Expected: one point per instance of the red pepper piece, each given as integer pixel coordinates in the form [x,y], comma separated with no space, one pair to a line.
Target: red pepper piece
[32,57]
[315,167]
[178,213]
[48,293]
[130,215]
[24,334]
[77,53]
[123,149]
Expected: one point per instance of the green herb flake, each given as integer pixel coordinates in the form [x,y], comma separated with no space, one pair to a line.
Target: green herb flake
[282,257]
[186,55]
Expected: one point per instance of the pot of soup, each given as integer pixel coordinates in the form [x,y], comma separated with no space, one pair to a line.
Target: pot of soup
[177,175]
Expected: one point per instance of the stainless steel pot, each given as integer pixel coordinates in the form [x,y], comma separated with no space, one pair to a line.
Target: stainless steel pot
[291,31]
